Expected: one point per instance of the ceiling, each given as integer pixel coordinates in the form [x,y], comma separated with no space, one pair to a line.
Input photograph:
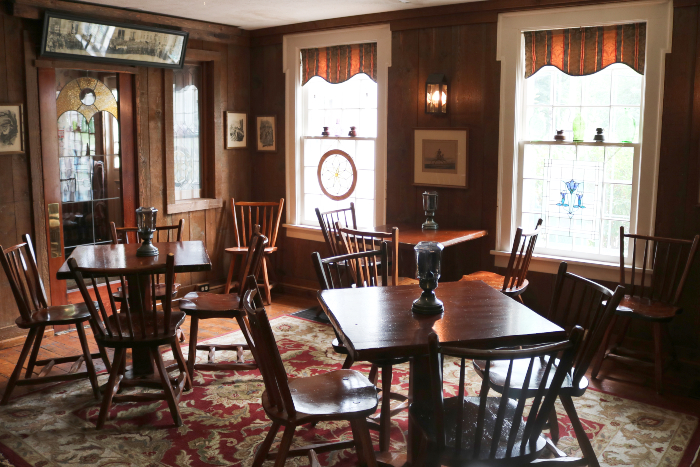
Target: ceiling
[256,14]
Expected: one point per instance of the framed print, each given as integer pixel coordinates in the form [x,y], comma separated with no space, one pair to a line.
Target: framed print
[236,130]
[440,157]
[11,129]
[267,134]
[72,37]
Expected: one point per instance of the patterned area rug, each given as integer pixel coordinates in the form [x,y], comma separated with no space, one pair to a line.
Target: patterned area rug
[224,421]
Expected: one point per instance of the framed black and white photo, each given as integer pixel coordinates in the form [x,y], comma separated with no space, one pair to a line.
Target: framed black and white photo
[11,129]
[236,130]
[441,157]
[267,134]
[72,37]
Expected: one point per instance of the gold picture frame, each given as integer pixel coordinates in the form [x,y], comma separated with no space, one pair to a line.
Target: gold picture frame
[441,157]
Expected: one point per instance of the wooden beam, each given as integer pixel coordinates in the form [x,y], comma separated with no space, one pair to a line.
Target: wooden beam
[78,65]
[200,55]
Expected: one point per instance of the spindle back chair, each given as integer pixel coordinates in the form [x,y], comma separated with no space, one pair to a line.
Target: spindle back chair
[328,220]
[19,264]
[138,323]
[357,241]
[483,430]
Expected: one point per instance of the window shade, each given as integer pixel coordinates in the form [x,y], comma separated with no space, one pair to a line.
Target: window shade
[584,51]
[339,63]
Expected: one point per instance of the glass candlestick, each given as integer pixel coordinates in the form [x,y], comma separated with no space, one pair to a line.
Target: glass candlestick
[430,204]
[428,257]
[146,224]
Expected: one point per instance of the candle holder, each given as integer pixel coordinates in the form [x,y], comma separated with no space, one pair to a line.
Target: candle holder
[146,224]
[428,257]
[430,204]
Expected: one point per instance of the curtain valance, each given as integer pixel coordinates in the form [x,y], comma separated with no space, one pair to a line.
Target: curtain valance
[584,51]
[339,63]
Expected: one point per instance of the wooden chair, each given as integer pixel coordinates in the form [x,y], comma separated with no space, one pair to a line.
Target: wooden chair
[576,302]
[268,216]
[482,430]
[357,241]
[364,269]
[19,263]
[514,282]
[207,305]
[334,396]
[136,328]
[328,220]
[653,297]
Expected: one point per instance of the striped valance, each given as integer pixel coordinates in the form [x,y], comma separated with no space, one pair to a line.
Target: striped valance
[339,63]
[584,51]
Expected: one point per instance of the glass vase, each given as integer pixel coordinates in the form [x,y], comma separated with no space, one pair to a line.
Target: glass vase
[579,128]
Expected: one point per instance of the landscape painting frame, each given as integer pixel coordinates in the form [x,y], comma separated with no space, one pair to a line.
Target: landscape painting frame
[114,41]
[441,157]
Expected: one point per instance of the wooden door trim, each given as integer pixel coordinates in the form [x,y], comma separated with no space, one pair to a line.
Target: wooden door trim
[127,149]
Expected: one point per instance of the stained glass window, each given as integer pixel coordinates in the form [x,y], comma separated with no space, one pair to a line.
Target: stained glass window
[186,92]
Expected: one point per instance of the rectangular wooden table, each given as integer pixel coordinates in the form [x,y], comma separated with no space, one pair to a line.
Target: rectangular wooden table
[376,323]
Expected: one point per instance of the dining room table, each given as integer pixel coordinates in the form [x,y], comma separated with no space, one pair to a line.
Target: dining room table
[190,256]
[376,323]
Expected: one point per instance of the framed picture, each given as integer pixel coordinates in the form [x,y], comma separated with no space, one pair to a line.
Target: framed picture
[440,157]
[72,37]
[236,130]
[267,134]
[11,129]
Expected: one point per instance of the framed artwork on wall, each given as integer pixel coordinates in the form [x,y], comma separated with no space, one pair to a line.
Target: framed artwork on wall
[267,134]
[236,130]
[441,157]
[72,37]
[11,129]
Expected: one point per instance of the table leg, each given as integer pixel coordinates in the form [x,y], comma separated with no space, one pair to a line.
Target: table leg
[141,358]
[418,389]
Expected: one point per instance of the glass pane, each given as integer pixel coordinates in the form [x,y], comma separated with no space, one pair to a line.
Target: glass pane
[533,165]
[365,184]
[532,195]
[596,88]
[564,120]
[364,157]
[595,117]
[539,124]
[618,200]
[625,124]
[626,86]
[539,87]
[618,164]
[186,86]
[567,89]
[311,181]
[312,152]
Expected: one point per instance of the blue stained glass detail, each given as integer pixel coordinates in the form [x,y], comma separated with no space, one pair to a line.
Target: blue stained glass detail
[573,188]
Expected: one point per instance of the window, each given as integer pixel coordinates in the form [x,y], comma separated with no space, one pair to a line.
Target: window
[355,100]
[187,83]
[582,190]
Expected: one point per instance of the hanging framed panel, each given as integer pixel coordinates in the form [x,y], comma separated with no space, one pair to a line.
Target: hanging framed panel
[75,38]
[441,157]
[11,129]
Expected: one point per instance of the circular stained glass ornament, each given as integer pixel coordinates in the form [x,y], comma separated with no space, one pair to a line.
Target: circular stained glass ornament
[337,174]
[87,96]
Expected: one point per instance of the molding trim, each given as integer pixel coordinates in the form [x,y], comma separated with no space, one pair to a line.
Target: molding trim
[305,232]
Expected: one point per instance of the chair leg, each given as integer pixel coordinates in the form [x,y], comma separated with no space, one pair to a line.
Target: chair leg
[88,360]
[35,352]
[348,362]
[18,368]
[581,436]
[621,336]
[180,334]
[373,374]
[553,422]
[266,281]
[264,448]
[666,332]
[363,442]
[658,358]
[167,387]
[357,437]
[385,414]
[192,355]
[285,444]
[520,299]
[181,365]
[229,278]
[598,361]
[112,387]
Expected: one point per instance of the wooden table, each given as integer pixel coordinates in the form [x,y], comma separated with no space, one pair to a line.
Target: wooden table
[376,323]
[190,256]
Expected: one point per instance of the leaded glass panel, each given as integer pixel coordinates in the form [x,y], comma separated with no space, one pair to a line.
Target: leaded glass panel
[187,146]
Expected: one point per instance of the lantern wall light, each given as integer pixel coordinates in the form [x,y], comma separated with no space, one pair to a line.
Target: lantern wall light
[436,94]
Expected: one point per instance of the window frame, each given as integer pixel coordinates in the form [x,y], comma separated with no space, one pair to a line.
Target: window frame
[659,18]
[291,67]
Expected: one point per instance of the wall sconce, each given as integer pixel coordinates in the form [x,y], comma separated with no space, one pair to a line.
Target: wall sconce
[436,94]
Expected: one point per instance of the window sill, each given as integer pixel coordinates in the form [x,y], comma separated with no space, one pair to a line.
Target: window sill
[594,270]
[187,205]
[305,232]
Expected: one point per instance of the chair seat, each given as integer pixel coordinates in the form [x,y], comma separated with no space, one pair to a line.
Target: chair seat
[339,394]
[242,250]
[121,319]
[499,370]
[423,414]
[202,302]
[56,315]
[495,281]
[160,292]
[644,308]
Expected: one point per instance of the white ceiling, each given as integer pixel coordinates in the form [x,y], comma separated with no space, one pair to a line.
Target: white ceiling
[256,14]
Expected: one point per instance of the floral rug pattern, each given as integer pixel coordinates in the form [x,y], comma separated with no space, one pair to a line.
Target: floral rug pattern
[224,421]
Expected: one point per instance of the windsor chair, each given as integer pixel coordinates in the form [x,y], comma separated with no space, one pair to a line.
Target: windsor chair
[653,295]
[514,282]
[19,263]
[341,395]
[268,216]
[328,220]
[357,241]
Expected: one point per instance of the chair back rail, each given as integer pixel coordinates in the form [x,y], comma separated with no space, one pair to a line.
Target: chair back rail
[362,269]
[267,215]
[519,437]
[19,263]
[328,220]
[130,322]
[669,259]
[520,257]
[163,233]
[253,260]
[270,362]
[357,241]
[581,302]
